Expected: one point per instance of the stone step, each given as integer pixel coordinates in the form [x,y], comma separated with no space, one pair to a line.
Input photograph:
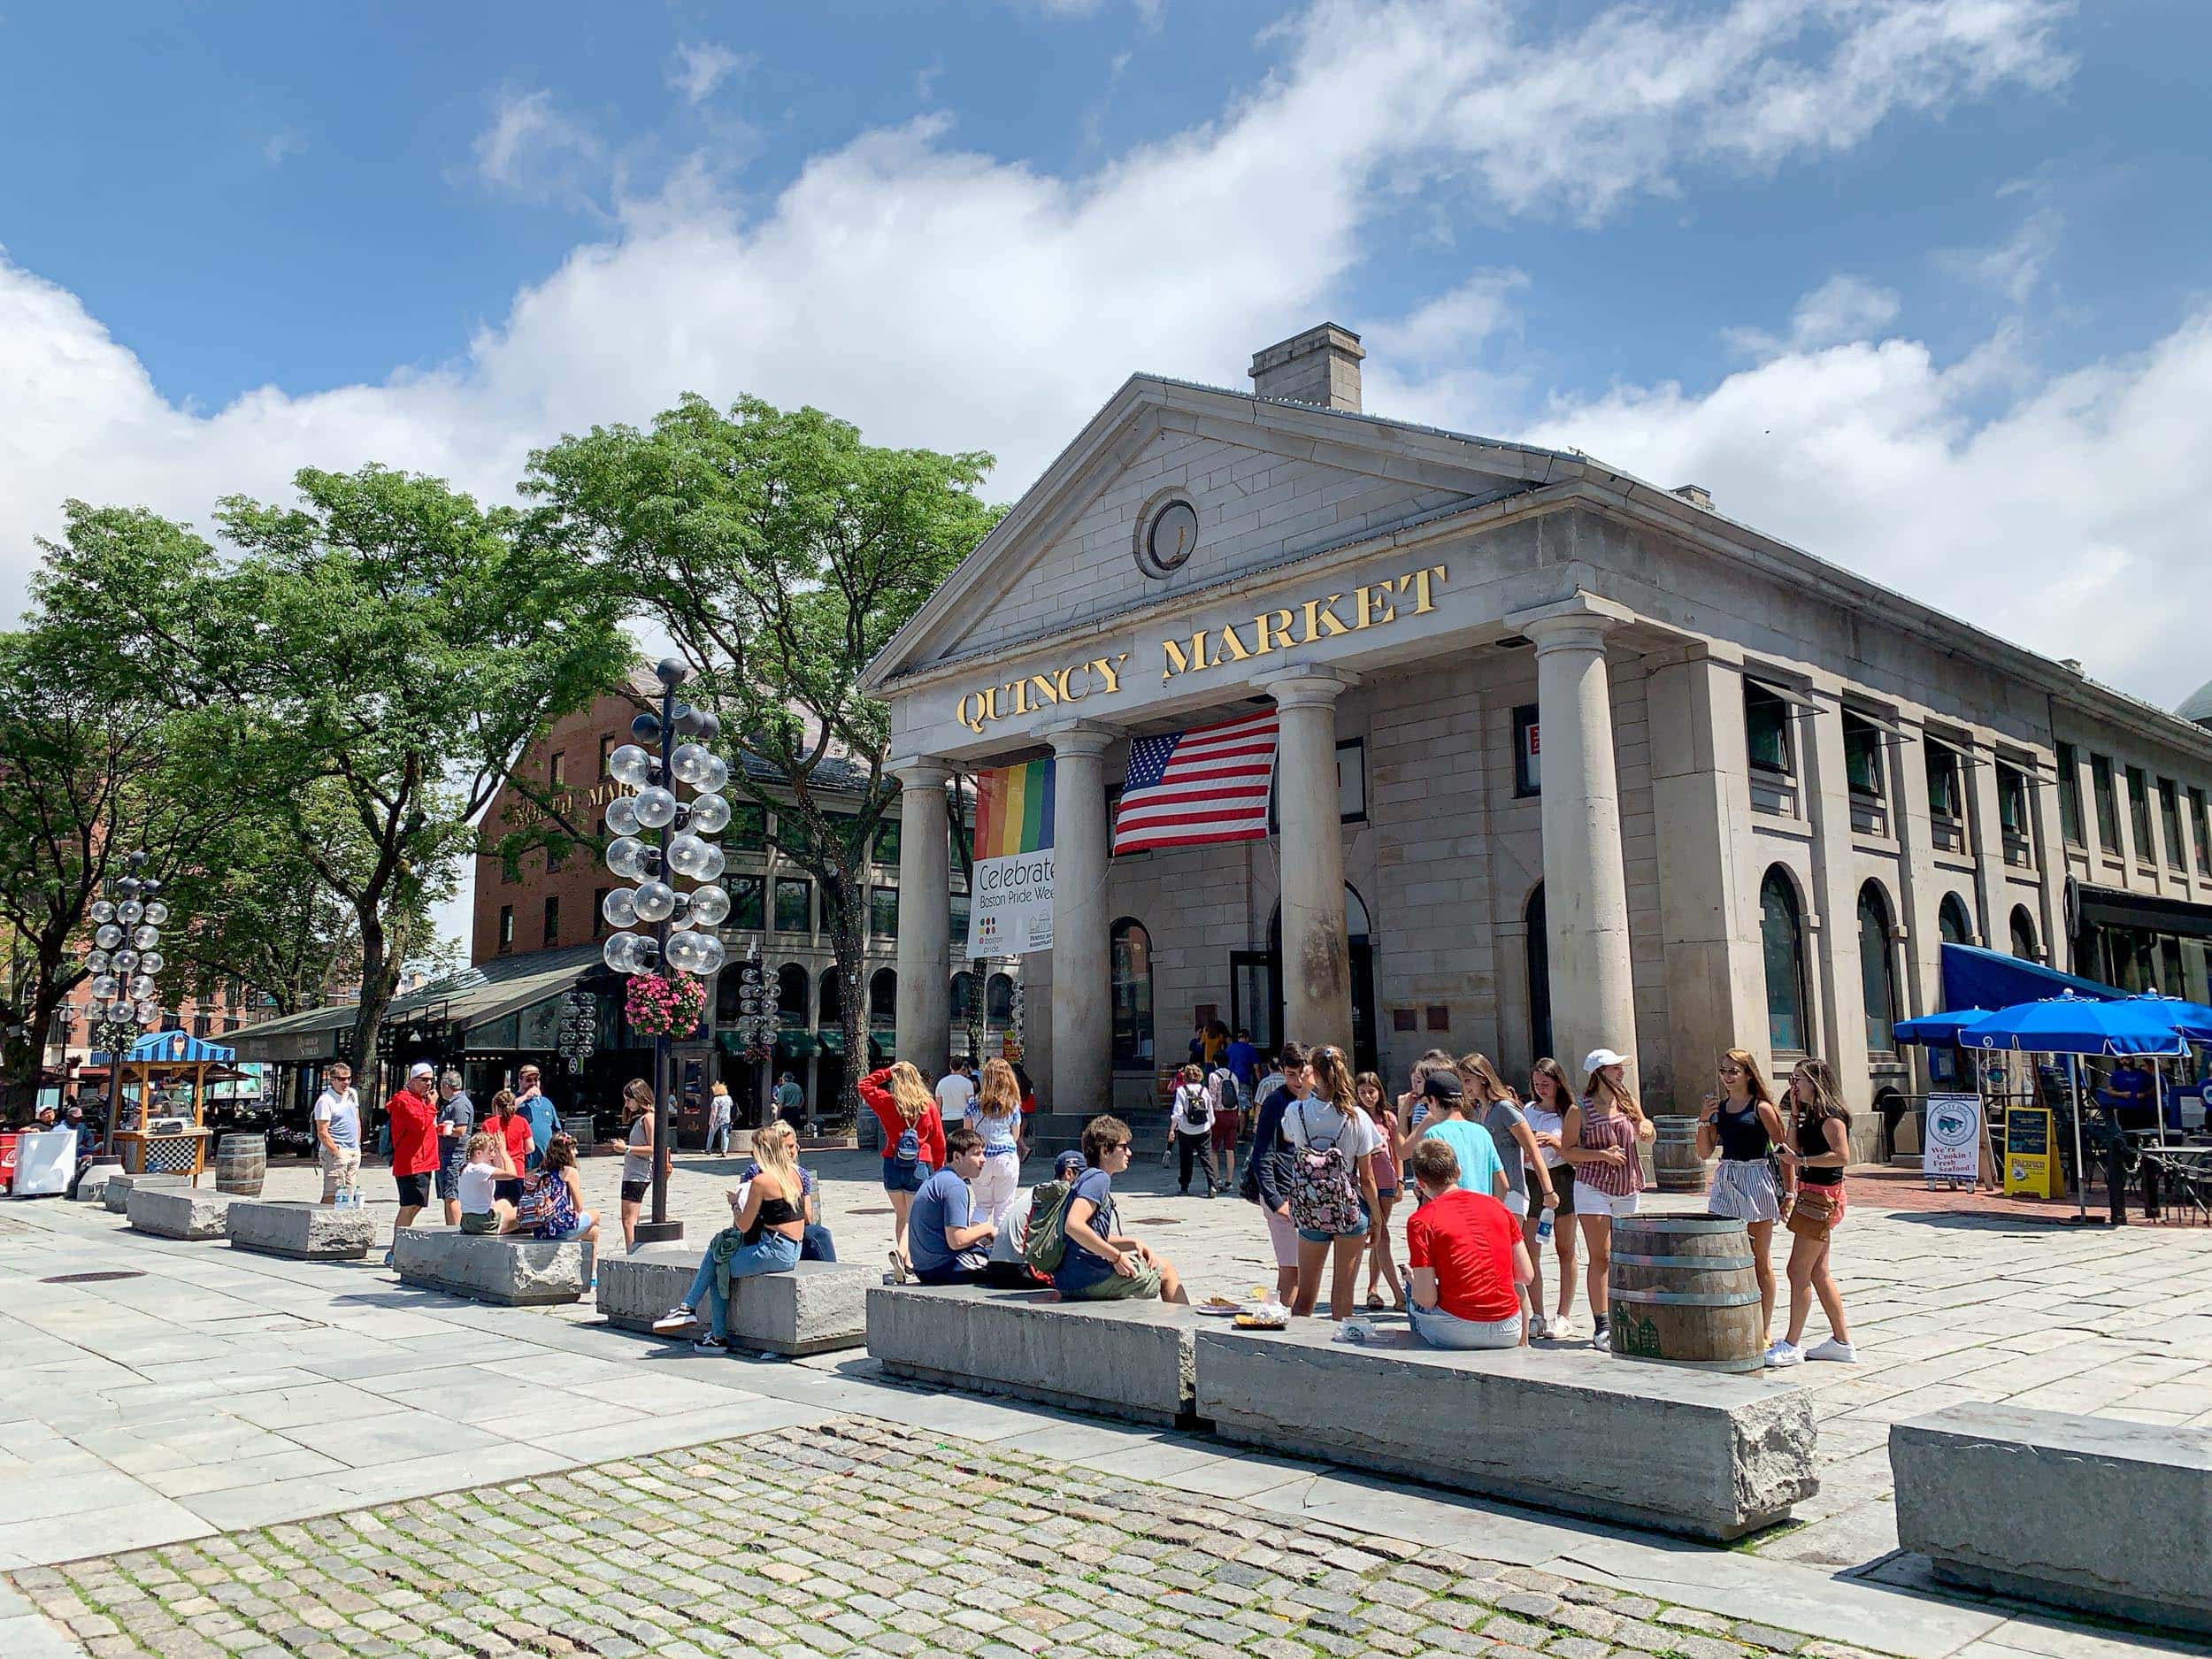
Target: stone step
[817,1307]
[301,1231]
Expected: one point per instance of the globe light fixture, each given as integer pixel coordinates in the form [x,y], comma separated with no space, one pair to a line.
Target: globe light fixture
[655,901]
[687,856]
[157,913]
[708,906]
[124,960]
[710,815]
[102,911]
[691,764]
[108,937]
[627,859]
[655,807]
[632,765]
[129,911]
[619,907]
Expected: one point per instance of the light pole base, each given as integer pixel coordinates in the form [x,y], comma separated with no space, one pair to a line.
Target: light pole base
[659,1231]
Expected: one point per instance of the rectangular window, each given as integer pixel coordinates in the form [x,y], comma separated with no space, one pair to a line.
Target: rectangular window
[795,905]
[2012,802]
[1943,783]
[888,842]
[2107,804]
[506,928]
[2170,818]
[2139,813]
[2201,831]
[1861,757]
[883,912]
[555,853]
[1351,780]
[749,903]
[1766,728]
[749,828]
[1528,752]
[552,920]
[557,770]
[607,741]
[599,911]
[958,932]
[2070,794]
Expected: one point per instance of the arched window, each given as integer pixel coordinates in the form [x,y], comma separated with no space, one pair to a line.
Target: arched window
[832,1003]
[998,998]
[883,999]
[963,997]
[791,989]
[1878,978]
[2024,935]
[1538,976]
[1953,922]
[1129,950]
[1782,938]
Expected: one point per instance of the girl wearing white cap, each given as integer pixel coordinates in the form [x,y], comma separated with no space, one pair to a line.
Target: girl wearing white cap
[1602,1137]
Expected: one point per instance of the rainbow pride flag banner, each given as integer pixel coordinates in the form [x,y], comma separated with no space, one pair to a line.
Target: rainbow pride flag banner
[1009,905]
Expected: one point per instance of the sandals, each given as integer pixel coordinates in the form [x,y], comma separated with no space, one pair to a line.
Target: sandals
[1375,1301]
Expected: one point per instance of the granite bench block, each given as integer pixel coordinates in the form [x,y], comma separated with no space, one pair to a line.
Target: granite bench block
[816,1309]
[1707,1455]
[178,1212]
[2091,1513]
[307,1232]
[1124,1359]
[514,1272]
[117,1191]
[92,1186]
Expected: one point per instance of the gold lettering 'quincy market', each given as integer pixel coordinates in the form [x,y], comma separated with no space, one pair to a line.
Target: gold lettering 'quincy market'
[1072,684]
[1368,606]
[1365,607]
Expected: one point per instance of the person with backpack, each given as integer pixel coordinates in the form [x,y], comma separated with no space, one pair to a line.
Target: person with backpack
[1267,1167]
[1332,1197]
[1097,1262]
[1230,1093]
[913,1143]
[1191,1123]
[1382,1264]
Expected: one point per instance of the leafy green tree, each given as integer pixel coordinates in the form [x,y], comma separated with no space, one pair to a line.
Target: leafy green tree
[385,650]
[778,552]
[91,770]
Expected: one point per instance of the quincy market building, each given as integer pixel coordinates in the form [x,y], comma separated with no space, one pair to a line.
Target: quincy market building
[1566,760]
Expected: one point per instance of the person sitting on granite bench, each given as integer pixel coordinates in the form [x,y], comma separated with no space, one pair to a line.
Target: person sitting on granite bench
[477,1187]
[766,1225]
[949,1244]
[1100,1264]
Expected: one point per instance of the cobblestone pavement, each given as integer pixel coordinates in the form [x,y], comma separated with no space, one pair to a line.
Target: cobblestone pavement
[856,1536]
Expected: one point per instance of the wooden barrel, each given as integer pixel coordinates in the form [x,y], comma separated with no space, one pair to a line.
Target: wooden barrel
[242,1163]
[1683,1292]
[1674,1158]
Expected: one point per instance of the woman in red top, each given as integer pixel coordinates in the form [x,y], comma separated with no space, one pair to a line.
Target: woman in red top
[510,1135]
[913,1140]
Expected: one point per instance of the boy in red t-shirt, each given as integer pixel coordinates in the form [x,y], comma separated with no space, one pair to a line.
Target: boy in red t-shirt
[1467,1260]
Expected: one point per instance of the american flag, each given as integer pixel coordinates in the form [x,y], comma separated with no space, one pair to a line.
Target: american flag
[1189,788]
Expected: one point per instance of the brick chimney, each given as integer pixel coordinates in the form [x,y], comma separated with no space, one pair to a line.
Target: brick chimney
[1319,366]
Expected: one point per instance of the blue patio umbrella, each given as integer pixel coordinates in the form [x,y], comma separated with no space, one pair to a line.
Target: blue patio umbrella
[1937,1031]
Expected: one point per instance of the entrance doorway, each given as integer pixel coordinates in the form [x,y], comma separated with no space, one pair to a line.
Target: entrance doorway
[1255,986]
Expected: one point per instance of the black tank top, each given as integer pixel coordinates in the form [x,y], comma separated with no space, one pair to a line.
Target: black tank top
[1812,1142]
[773,1212]
[1743,1138]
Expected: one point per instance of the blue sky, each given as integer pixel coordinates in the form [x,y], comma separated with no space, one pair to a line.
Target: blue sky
[1918,283]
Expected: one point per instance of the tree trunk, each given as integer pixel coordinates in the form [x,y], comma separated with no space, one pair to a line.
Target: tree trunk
[848,945]
[377,984]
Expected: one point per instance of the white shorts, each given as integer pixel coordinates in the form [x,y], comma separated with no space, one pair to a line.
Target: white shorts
[1744,1188]
[1516,1203]
[1590,1201]
[1284,1237]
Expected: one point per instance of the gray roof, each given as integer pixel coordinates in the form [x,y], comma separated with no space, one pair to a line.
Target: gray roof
[469,997]
[2197,706]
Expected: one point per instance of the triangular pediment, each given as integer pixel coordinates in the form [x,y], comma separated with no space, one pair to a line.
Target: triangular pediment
[1268,483]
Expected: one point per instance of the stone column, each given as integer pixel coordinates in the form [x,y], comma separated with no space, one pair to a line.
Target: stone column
[1317,961]
[1585,887]
[1831,931]
[1082,980]
[924,1004]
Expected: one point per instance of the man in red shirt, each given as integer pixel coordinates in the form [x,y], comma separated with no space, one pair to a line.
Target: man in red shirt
[1467,1259]
[414,1143]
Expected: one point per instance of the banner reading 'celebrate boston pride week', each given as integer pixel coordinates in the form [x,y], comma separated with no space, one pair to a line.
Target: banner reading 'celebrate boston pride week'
[1009,909]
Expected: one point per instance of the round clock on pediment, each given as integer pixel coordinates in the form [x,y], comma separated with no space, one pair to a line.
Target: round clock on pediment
[1166,536]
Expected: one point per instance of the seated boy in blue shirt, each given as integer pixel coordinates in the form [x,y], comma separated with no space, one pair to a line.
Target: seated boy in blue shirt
[946,1247]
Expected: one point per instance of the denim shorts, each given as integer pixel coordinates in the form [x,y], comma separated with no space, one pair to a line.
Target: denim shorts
[1314,1235]
[904,1177]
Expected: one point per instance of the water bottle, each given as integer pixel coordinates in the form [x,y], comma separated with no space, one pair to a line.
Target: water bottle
[1543,1226]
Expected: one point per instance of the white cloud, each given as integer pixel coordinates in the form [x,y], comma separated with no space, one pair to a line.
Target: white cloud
[532,148]
[941,296]
[2013,270]
[279,145]
[2070,520]
[700,68]
[1842,308]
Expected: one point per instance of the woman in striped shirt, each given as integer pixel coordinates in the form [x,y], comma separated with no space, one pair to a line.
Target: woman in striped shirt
[1603,1136]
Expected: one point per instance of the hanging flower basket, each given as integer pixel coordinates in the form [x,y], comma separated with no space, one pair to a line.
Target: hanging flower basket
[666,1005]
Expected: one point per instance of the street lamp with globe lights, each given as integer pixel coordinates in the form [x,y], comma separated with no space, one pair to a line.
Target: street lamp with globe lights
[659,838]
[125,961]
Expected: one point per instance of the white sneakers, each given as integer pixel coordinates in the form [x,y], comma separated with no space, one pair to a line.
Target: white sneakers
[900,1273]
[1782,1354]
[1537,1331]
[675,1321]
